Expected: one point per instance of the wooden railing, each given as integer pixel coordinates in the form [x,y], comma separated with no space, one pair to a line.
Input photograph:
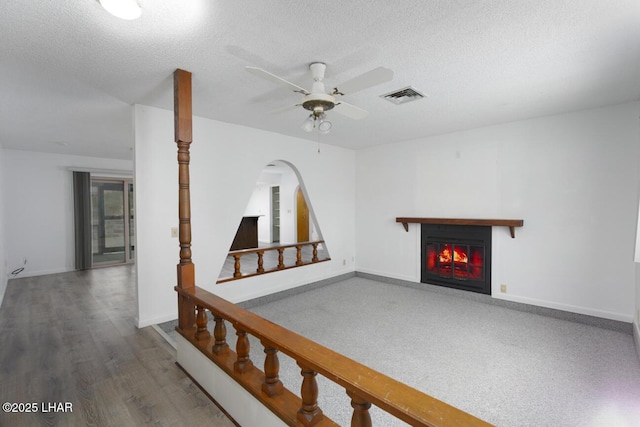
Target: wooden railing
[363,385]
[260,252]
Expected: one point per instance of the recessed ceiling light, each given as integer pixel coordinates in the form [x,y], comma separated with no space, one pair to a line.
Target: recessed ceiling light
[123,9]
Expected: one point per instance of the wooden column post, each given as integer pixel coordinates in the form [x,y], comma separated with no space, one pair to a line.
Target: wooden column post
[183,136]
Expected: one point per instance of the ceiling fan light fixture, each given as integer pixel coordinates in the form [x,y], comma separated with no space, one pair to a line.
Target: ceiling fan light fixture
[324,127]
[123,9]
[317,121]
[309,124]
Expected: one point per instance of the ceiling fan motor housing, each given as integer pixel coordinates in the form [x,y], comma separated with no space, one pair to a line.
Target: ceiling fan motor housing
[318,102]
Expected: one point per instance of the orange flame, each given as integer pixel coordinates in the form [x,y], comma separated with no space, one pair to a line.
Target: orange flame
[458,256]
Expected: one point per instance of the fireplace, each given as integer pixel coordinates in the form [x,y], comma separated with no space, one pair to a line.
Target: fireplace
[457,256]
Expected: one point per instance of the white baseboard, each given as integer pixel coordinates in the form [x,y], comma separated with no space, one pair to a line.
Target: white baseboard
[602,319]
[390,276]
[27,273]
[566,307]
[524,300]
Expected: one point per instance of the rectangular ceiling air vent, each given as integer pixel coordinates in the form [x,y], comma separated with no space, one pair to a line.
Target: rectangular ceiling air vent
[402,96]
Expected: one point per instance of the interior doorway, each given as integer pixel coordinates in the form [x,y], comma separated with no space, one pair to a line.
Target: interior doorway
[302,210]
[275,214]
[112,221]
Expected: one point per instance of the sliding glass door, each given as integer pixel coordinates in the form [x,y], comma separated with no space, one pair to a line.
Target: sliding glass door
[112,236]
[131,235]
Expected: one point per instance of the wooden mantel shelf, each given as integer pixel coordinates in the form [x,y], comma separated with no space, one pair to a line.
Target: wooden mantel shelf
[511,223]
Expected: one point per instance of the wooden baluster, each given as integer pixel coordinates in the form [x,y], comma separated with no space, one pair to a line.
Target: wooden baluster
[220,334]
[272,384]
[260,262]
[309,414]
[236,265]
[243,363]
[202,333]
[360,417]
[298,254]
[315,252]
[280,258]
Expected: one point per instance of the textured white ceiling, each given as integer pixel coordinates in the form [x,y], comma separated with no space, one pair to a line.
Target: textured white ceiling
[70,71]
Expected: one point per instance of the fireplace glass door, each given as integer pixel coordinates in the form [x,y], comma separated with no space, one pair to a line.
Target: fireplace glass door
[459,261]
[457,256]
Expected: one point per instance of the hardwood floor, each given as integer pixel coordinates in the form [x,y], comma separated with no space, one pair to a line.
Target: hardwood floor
[71,337]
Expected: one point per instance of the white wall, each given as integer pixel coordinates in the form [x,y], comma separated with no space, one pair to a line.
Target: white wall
[38,208]
[226,161]
[573,178]
[3,258]
[636,329]
[636,323]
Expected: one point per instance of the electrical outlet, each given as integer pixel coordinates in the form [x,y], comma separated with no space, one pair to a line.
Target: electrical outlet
[174,231]
[344,262]
[503,288]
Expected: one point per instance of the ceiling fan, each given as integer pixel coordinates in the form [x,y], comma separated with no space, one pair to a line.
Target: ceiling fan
[319,101]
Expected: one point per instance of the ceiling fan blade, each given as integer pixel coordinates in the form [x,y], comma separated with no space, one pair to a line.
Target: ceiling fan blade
[350,110]
[285,109]
[363,81]
[272,77]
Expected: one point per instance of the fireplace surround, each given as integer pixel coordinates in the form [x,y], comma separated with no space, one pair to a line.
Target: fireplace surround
[456,252]
[456,256]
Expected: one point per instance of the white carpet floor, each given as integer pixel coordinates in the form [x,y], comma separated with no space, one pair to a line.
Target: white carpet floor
[508,367]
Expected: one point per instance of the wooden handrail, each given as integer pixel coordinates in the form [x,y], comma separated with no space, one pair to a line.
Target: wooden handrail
[275,247]
[237,255]
[366,386]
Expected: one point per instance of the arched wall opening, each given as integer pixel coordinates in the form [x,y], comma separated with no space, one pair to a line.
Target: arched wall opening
[279,213]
